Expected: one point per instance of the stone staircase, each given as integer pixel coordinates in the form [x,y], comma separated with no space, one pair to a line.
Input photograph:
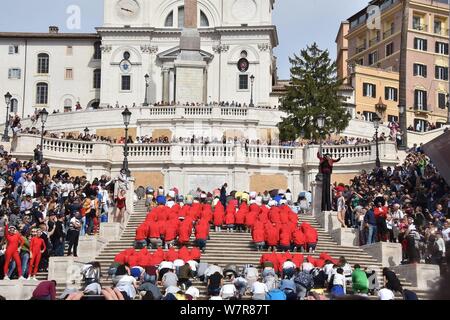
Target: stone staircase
[225,248]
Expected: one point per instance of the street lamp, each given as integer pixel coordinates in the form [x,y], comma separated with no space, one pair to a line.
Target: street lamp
[376,123]
[44,116]
[252,81]
[147,83]
[321,125]
[86,131]
[8,102]
[126,114]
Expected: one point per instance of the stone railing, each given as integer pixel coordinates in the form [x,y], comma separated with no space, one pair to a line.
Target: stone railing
[73,151]
[236,112]
[162,111]
[198,111]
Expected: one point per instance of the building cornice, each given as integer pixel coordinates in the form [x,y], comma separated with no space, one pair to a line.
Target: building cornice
[49,36]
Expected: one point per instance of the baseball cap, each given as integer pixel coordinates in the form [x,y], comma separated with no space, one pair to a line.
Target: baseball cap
[193,292]
[173,290]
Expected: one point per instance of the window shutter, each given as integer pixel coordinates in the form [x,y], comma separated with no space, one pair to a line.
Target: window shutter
[425,45]
[425,100]
[386,93]
[415,66]
[415,43]
[9,73]
[436,47]
[446,74]
[436,72]
[425,71]
[416,99]
[364,89]
[446,48]
[374,91]
[395,95]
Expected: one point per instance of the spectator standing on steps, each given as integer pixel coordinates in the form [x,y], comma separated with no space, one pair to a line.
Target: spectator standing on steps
[391,281]
[74,234]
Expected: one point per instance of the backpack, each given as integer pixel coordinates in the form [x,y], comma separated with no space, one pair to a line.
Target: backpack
[319,278]
[304,279]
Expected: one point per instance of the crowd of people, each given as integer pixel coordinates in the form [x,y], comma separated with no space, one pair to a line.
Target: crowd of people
[408,204]
[41,212]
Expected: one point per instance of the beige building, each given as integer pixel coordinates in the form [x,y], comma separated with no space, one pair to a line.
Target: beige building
[377,45]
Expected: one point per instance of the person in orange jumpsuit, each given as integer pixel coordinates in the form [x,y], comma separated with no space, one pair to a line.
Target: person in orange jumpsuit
[218,217]
[201,234]
[240,219]
[272,237]
[140,240]
[258,238]
[299,240]
[229,219]
[184,233]
[14,241]
[37,247]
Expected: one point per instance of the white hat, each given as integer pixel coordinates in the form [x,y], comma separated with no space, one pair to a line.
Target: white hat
[203,195]
[172,194]
[283,201]
[193,292]
[253,195]
[272,203]
[281,191]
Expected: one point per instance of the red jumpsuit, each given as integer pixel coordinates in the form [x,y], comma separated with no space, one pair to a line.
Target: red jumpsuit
[36,245]
[14,240]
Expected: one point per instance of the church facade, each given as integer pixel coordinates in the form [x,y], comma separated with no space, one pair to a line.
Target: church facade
[141,38]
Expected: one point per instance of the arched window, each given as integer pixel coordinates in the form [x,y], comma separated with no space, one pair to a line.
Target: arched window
[67,105]
[97,50]
[41,93]
[97,79]
[14,105]
[169,20]
[204,22]
[43,63]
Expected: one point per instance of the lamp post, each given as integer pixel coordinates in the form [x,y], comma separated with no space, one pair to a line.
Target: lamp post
[376,124]
[147,83]
[252,81]
[320,121]
[8,102]
[86,131]
[44,115]
[126,114]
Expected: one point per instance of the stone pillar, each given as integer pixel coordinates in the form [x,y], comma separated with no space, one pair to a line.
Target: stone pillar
[89,247]
[166,85]
[17,289]
[66,269]
[347,237]
[422,276]
[130,197]
[110,231]
[389,254]
[316,187]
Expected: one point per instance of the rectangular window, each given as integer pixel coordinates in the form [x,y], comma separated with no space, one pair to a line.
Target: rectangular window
[442,100]
[420,70]
[419,125]
[390,94]
[420,44]
[417,25]
[369,90]
[437,26]
[441,73]
[369,115]
[13,49]
[243,82]
[392,118]
[441,48]
[373,58]
[14,73]
[420,100]
[126,83]
[97,79]
[389,49]
[68,75]
[69,50]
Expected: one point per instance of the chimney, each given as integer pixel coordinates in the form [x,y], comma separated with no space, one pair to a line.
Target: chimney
[53,29]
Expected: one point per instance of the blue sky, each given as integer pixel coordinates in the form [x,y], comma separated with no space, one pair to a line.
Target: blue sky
[299,22]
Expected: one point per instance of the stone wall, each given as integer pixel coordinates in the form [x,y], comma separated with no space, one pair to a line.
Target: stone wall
[260,183]
[145,178]
[116,133]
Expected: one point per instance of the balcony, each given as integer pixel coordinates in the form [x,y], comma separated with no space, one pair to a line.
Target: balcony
[361,48]
[441,32]
[388,33]
[374,41]
[420,27]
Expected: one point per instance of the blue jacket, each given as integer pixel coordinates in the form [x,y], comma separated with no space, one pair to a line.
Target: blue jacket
[370,218]
[275,294]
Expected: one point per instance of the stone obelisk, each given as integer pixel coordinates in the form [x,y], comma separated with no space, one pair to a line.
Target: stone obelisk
[190,66]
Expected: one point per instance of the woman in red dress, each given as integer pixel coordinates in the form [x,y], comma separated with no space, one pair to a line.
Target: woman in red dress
[121,206]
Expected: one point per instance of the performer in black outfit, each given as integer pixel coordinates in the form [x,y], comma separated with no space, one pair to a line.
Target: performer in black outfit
[326,168]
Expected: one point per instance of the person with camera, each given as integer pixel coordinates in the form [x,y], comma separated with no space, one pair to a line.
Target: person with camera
[74,234]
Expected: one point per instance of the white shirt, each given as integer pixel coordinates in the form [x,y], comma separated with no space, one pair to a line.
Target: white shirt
[259,288]
[440,242]
[29,187]
[446,234]
[166,265]
[386,294]
[178,263]
[251,272]
[228,290]
[328,269]
[126,284]
[307,266]
[288,265]
[397,214]
[339,280]
[193,264]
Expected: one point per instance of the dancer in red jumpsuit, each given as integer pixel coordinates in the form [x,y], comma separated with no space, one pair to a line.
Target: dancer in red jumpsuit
[37,247]
[14,240]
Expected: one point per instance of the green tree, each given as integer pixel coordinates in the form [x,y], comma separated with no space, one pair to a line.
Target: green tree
[313,91]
